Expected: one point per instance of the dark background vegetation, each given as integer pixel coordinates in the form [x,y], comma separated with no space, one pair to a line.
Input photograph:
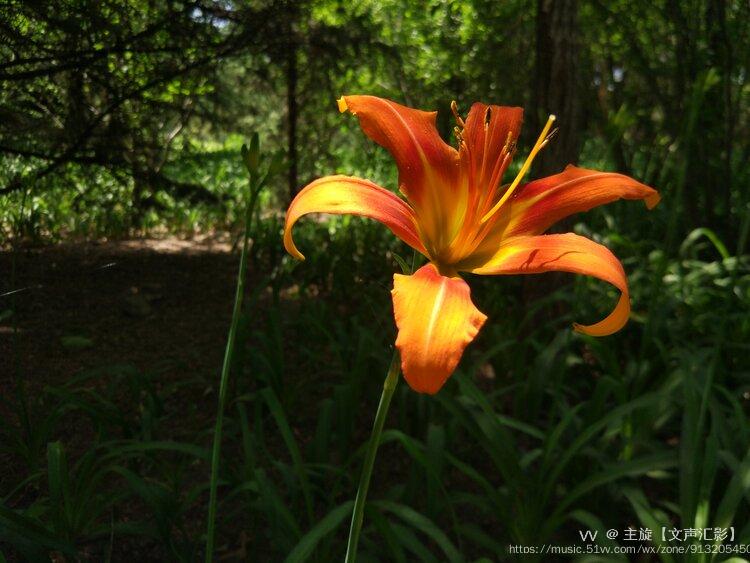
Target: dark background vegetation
[122,120]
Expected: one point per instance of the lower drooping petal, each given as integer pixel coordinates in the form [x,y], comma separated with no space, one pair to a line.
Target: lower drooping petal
[563,253]
[436,320]
[341,195]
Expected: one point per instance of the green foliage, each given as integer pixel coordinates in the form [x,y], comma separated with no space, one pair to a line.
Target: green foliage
[129,123]
[532,439]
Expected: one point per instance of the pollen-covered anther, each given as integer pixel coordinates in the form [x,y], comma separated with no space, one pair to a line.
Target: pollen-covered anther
[509,144]
[487,117]
[456,115]
[549,137]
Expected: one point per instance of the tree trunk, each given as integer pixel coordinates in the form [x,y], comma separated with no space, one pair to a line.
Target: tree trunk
[555,92]
[292,112]
[556,83]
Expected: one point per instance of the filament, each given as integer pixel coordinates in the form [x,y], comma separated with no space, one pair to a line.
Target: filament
[541,142]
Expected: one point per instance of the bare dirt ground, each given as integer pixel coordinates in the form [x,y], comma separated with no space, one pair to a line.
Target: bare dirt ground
[146,303]
[162,306]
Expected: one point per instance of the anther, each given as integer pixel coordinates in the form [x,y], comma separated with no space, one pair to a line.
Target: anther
[508,146]
[454,109]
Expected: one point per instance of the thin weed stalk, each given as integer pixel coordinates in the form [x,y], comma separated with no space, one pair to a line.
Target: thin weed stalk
[389,386]
[251,161]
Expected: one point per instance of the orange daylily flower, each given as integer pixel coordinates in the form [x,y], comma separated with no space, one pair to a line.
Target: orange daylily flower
[457,213]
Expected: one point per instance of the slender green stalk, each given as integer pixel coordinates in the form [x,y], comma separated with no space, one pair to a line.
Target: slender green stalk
[224,384]
[389,386]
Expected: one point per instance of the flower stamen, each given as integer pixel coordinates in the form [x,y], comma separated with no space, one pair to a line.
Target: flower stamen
[454,109]
[544,137]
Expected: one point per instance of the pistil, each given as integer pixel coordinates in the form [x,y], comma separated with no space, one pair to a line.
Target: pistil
[541,142]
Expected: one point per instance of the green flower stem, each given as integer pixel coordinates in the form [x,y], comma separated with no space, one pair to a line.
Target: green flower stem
[389,386]
[224,384]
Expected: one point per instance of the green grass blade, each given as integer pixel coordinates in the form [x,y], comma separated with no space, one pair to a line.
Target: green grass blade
[649,518]
[286,433]
[26,534]
[411,542]
[382,525]
[633,468]
[738,488]
[59,493]
[310,540]
[424,525]
[589,433]
[273,504]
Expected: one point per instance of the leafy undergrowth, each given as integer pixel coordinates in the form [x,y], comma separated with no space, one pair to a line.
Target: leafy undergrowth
[539,434]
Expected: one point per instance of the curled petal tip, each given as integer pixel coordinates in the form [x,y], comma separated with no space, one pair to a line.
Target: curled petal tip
[614,322]
[289,245]
[342,104]
[652,200]
[590,331]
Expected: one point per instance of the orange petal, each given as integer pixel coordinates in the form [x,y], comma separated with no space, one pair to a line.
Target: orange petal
[410,135]
[543,202]
[436,320]
[564,253]
[428,168]
[340,195]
